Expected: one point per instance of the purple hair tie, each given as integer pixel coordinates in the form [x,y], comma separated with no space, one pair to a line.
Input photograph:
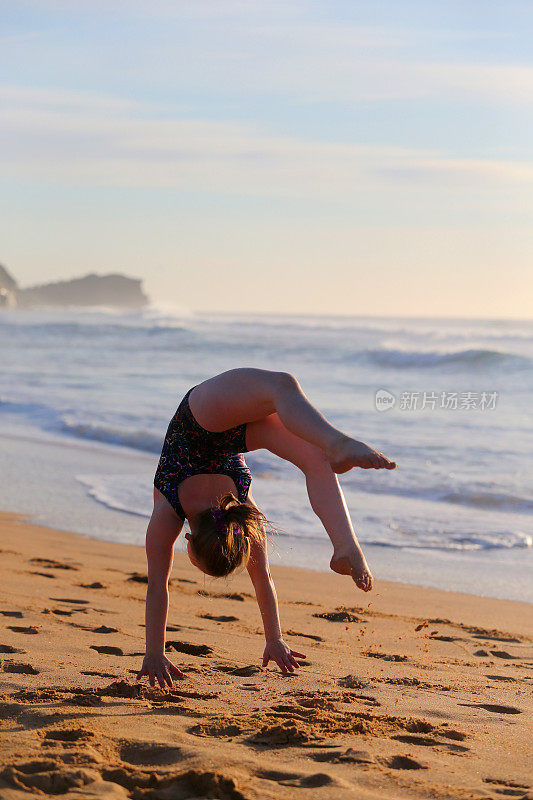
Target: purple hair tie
[218,515]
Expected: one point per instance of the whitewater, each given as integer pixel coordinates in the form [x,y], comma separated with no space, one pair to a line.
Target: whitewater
[86,396]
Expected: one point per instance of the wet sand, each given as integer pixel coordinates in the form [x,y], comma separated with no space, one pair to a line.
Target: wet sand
[406,692]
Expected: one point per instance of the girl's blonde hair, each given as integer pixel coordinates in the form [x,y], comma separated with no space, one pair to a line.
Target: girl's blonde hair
[223,534]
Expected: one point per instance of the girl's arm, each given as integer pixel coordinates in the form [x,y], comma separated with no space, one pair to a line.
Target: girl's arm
[265,591]
[163,530]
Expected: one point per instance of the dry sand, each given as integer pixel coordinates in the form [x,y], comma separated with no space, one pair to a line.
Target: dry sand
[407,692]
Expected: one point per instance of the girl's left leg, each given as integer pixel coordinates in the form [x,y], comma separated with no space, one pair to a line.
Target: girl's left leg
[325,494]
[328,503]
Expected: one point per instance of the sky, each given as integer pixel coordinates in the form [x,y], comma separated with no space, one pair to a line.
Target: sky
[319,157]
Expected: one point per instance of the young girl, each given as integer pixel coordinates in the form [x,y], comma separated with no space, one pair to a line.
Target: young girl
[202,476]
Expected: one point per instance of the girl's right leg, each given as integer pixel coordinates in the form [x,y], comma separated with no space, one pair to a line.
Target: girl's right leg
[302,418]
[247,394]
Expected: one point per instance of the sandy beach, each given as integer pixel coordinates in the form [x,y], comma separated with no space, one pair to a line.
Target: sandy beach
[406,692]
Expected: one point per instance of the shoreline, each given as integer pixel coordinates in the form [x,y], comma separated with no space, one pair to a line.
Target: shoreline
[387,585]
[41,482]
[407,692]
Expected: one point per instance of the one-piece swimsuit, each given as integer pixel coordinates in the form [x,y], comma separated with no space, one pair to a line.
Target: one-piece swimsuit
[189,449]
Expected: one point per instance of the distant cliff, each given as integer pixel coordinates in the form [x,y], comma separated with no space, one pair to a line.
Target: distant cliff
[115,290]
[8,289]
[6,281]
[91,290]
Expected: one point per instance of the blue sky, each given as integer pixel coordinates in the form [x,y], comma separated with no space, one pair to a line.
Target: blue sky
[314,157]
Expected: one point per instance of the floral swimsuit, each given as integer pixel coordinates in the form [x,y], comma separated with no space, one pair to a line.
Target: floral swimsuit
[189,450]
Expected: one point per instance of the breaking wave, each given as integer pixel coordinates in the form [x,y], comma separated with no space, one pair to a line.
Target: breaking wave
[470,358]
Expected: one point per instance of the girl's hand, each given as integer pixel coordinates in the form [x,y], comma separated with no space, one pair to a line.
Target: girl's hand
[160,667]
[280,652]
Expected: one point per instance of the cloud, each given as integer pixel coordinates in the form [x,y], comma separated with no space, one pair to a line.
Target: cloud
[68,138]
[298,51]
[44,99]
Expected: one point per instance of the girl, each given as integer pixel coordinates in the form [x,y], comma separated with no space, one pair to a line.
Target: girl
[202,476]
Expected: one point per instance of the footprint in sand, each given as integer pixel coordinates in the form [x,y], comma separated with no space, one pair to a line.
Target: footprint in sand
[9,711]
[95,585]
[246,672]
[69,600]
[189,649]
[367,699]
[240,596]
[42,574]
[47,777]
[303,603]
[349,756]
[306,635]
[339,615]
[102,629]
[107,650]
[139,691]
[221,618]
[192,783]
[14,614]
[19,668]
[192,695]
[503,654]
[101,674]
[428,741]
[84,699]
[61,612]
[492,634]
[39,696]
[216,729]
[385,656]
[449,733]
[137,577]
[294,779]
[124,689]
[299,712]
[315,702]
[51,564]
[442,638]
[507,639]
[69,735]
[352,682]
[286,732]
[28,629]
[495,709]
[150,753]
[510,784]
[403,762]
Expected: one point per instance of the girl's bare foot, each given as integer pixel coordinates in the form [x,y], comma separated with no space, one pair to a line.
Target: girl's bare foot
[347,453]
[353,564]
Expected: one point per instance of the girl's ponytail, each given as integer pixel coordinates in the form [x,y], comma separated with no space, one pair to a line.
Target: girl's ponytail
[223,534]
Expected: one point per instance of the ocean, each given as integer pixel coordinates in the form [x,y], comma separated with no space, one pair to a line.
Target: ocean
[86,397]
